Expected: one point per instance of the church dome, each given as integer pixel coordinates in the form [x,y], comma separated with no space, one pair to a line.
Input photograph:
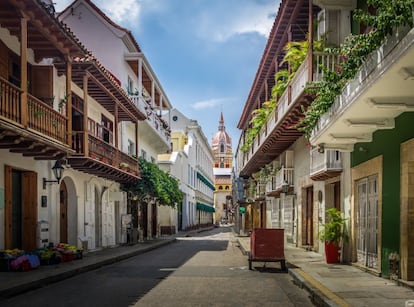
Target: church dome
[221,137]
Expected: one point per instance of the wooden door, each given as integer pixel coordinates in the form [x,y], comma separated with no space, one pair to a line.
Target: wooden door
[20,209]
[307,218]
[42,83]
[63,193]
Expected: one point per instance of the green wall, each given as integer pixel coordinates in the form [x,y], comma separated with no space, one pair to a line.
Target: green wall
[387,143]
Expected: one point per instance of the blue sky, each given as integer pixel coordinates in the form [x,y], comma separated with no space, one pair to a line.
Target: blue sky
[205,53]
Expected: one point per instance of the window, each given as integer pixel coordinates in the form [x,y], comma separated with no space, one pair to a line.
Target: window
[131,148]
[130,86]
[221,165]
[107,127]
[153,160]
[221,147]
[143,154]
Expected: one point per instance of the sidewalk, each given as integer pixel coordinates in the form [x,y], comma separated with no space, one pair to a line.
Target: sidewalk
[12,283]
[338,284]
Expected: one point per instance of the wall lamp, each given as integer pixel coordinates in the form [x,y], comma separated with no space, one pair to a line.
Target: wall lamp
[57,171]
[285,187]
[321,148]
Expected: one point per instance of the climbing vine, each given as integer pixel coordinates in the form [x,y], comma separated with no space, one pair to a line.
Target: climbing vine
[295,54]
[389,15]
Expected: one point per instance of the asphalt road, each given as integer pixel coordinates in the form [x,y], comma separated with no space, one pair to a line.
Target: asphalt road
[205,270]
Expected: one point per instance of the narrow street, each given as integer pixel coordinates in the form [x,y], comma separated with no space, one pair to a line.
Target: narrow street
[207,269]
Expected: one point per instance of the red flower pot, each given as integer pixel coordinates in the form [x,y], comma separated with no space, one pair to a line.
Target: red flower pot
[331,252]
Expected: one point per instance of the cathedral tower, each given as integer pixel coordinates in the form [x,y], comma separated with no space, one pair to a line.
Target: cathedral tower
[223,163]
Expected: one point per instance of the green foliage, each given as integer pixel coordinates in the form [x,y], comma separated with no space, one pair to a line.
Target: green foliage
[62,102]
[333,230]
[389,15]
[157,184]
[295,54]
[266,172]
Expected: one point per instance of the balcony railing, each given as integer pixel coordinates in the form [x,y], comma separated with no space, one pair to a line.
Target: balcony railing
[352,90]
[289,97]
[260,190]
[156,122]
[100,150]
[40,117]
[326,164]
[283,176]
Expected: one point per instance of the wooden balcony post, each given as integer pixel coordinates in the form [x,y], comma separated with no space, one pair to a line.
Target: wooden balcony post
[310,38]
[152,93]
[23,71]
[69,99]
[85,116]
[140,77]
[116,125]
[136,142]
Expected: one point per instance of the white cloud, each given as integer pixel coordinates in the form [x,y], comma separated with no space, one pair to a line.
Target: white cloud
[210,103]
[251,17]
[120,11]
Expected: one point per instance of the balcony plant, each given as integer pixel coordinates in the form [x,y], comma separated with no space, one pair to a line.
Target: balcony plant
[333,234]
[389,15]
[295,54]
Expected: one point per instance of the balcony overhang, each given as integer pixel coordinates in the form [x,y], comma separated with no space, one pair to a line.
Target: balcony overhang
[280,139]
[381,91]
[325,175]
[30,143]
[336,4]
[103,87]
[101,169]
[48,37]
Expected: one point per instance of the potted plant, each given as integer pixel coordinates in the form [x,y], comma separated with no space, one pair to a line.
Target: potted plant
[333,233]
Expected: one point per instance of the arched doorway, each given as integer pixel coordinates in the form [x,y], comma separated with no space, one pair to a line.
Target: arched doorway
[68,212]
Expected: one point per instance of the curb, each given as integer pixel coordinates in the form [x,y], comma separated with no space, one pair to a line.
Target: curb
[18,289]
[319,294]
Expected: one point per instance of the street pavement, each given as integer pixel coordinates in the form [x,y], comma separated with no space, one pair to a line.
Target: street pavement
[339,284]
[327,284]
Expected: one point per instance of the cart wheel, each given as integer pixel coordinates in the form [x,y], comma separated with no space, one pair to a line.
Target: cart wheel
[283,265]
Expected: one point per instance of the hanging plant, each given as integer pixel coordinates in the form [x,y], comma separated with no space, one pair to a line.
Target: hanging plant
[390,14]
[295,54]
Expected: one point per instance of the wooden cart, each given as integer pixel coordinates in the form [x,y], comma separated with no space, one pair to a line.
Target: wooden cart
[267,245]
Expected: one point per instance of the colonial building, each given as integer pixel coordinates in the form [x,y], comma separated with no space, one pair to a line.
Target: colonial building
[193,167]
[127,64]
[356,156]
[223,162]
[60,110]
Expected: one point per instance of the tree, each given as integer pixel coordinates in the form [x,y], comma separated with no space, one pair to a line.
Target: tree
[157,185]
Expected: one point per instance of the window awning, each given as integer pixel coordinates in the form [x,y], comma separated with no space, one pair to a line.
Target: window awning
[204,207]
[205,180]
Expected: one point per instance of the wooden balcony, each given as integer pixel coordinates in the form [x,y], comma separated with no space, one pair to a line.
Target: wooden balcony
[33,129]
[280,130]
[325,164]
[102,158]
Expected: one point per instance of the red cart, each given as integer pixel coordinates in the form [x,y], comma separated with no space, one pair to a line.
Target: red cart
[267,245]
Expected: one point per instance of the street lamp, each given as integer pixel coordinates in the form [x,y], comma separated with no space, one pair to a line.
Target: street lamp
[57,171]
